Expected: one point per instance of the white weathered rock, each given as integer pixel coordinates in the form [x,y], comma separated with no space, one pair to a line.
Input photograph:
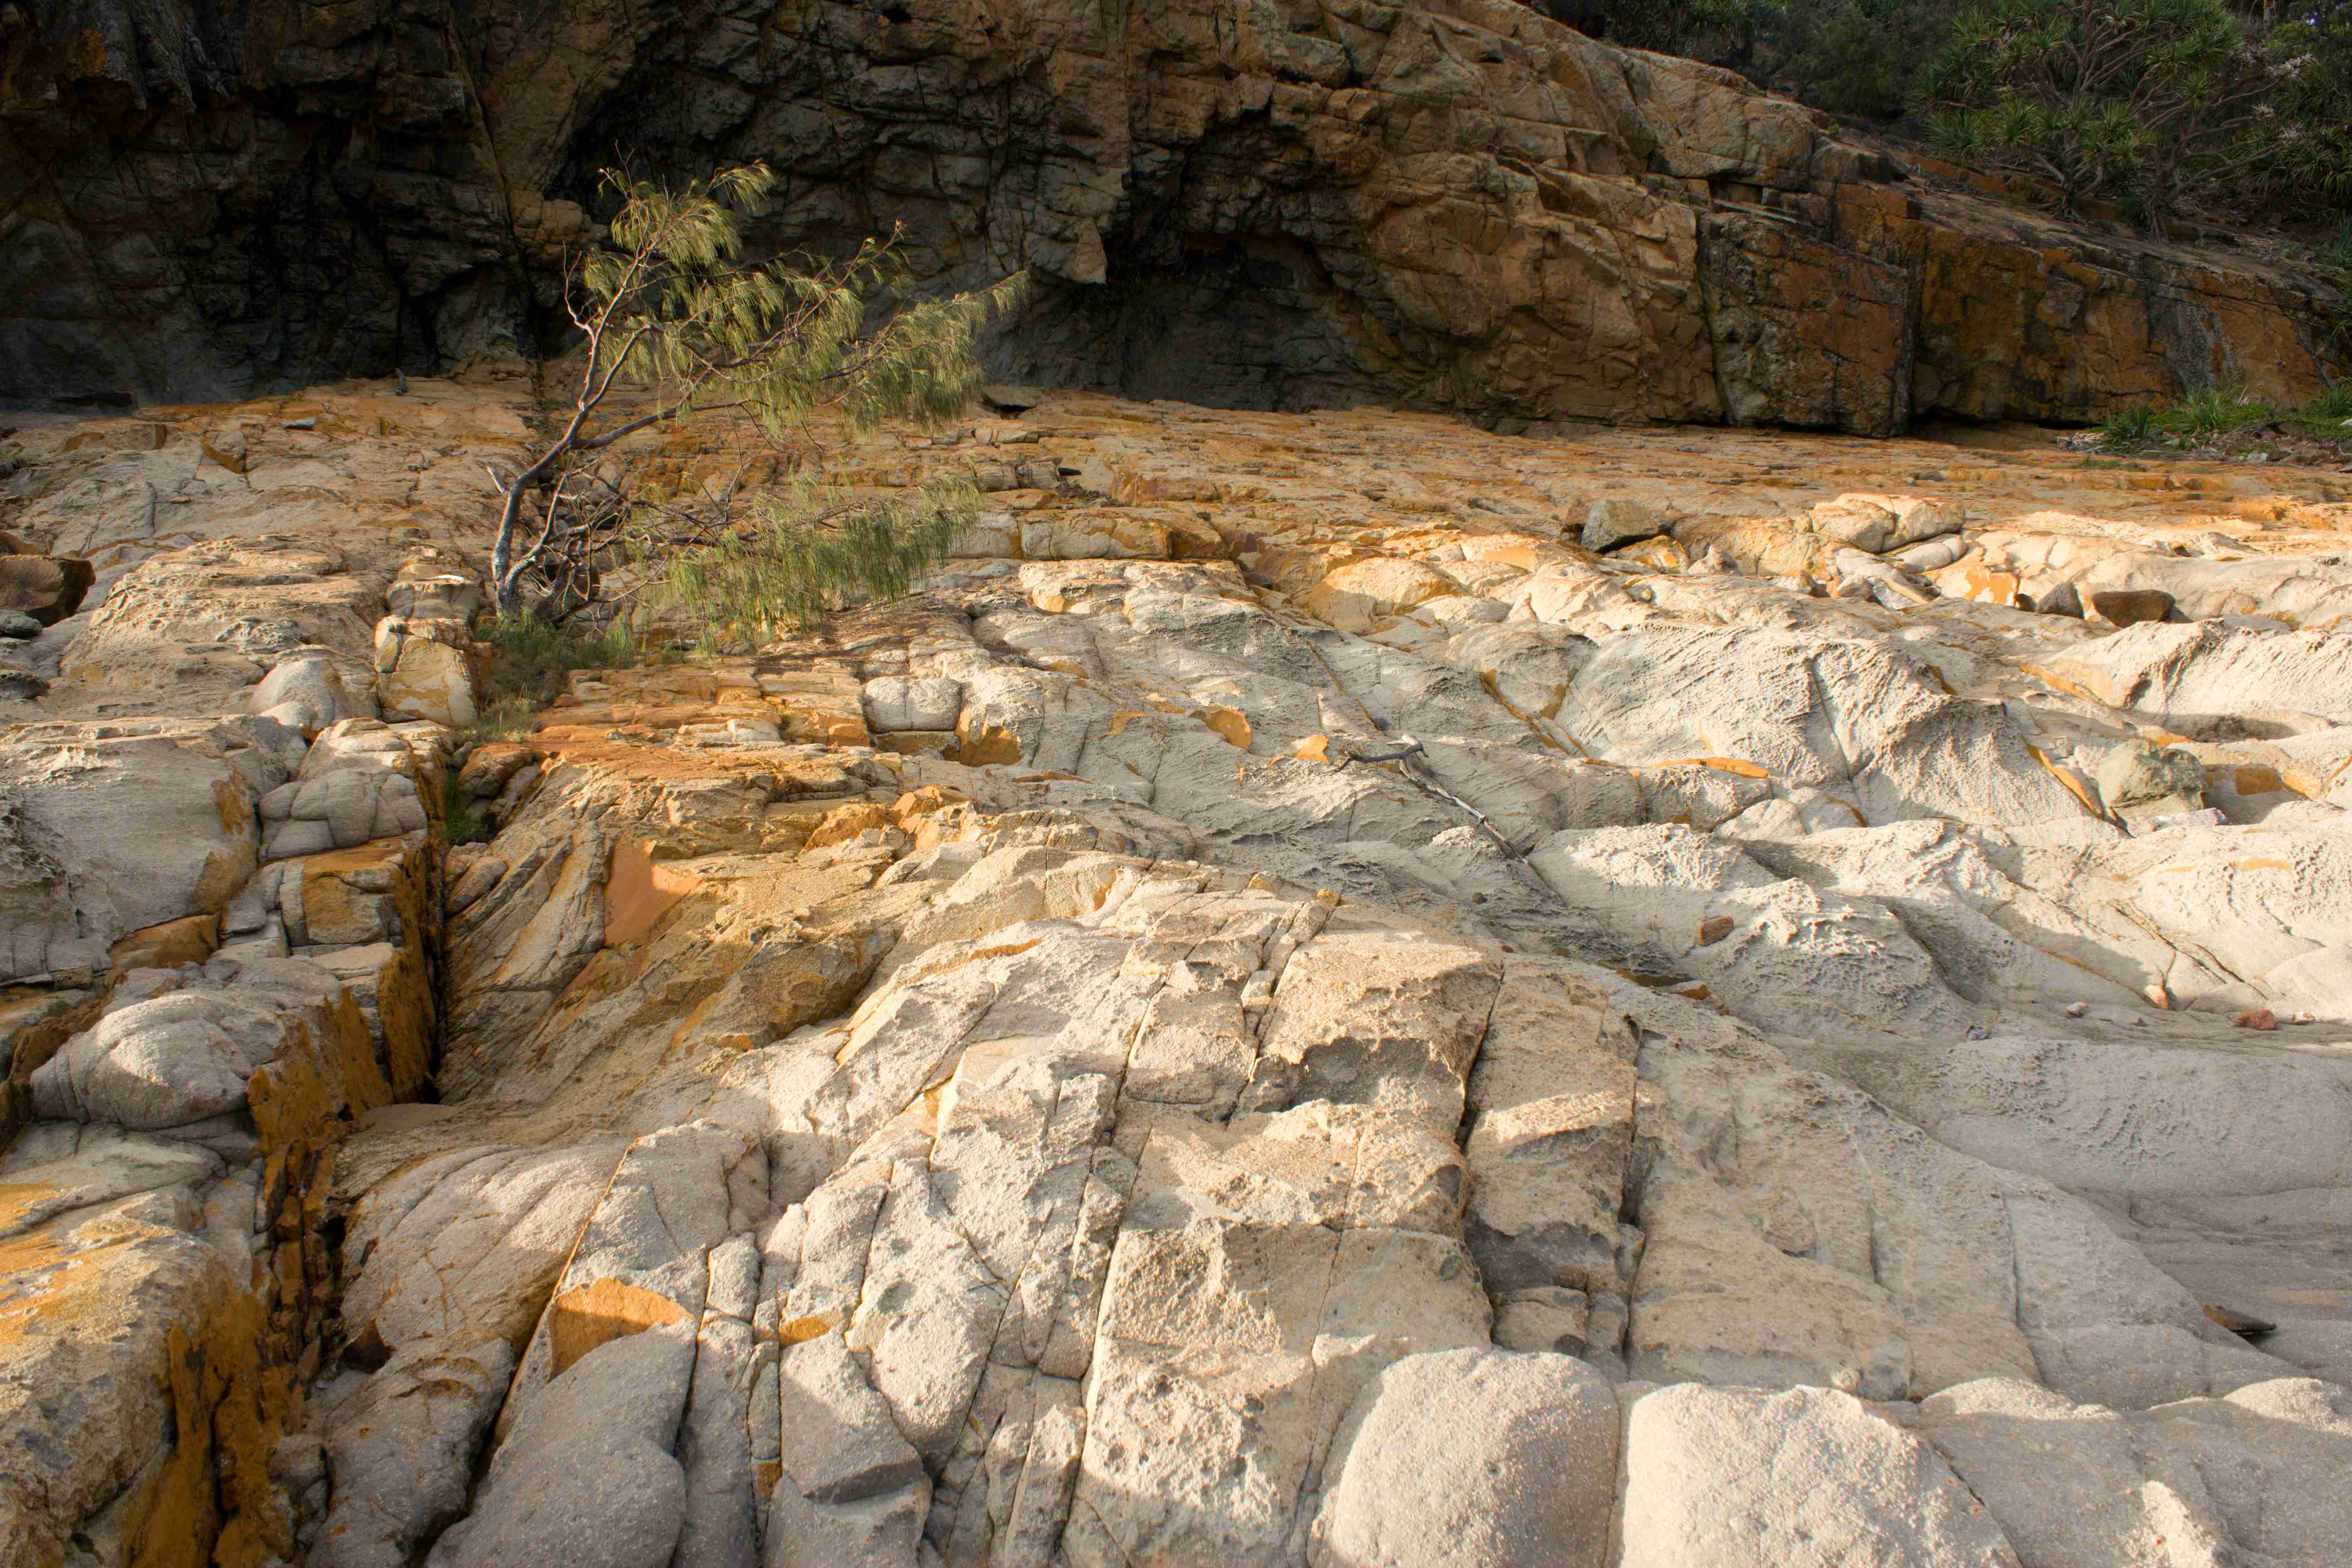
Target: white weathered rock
[1610,523]
[1095,1126]
[1485,1458]
[1733,1477]
[400,1450]
[587,1477]
[305,690]
[114,828]
[362,780]
[896,703]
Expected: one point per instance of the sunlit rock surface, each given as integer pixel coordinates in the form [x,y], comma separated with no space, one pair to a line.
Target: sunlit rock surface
[1833,1050]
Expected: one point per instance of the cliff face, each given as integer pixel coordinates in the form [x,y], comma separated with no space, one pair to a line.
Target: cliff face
[1458,205]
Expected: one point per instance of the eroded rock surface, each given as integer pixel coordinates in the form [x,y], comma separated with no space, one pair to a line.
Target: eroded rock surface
[1817,1053]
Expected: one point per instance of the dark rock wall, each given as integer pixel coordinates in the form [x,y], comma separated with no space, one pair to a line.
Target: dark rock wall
[1451,204]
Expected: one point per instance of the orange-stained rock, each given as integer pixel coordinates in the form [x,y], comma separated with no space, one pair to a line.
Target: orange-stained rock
[167,946]
[639,892]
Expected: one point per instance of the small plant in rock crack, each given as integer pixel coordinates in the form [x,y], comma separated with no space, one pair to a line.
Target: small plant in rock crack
[531,657]
[675,321]
[462,821]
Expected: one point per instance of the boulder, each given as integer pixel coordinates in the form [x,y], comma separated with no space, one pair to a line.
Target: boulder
[305,690]
[362,780]
[429,669]
[1485,1458]
[45,589]
[2138,778]
[895,703]
[1610,523]
[1358,596]
[2127,606]
[587,1477]
[1735,1478]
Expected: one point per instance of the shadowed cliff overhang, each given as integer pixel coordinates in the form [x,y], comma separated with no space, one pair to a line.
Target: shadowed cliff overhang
[1460,205]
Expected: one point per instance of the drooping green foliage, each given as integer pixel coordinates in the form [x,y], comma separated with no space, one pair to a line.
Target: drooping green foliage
[1718,30]
[672,305]
[2222,108]
[672,309]
[1855,57]
[815,548]
[2302,166]
[2150,102]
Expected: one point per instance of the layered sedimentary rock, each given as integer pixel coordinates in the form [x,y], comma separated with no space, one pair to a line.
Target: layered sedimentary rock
[1824,1044]
[1455,204]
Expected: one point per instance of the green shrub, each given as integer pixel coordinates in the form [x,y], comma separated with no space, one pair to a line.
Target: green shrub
[2325,415]
[2150,101]
[462,822]
[2215,411]
[1718,30]
[531,657]
[2134,424]
[1854,57]
[676,307]
[2302,152]
[2199,415]
[2336,402]
[808,558]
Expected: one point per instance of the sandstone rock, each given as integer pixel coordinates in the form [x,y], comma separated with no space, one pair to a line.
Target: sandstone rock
[1473,1457]
[188,629]
[109,829]
[2137,779]
[1736,1476]
[429,669]
[1114,1144]
[896,703]
[1552,1098]
[1610,523]
[94,1406]
[2128,606]
[2065,1480]
[1857,303]
[1358,596]
[428,588]
[2185,676]
[587,1476]
[400,1450]
[491,765]
[464,1246]
[304,690]
[361,781]
[45,590]
[166,1062]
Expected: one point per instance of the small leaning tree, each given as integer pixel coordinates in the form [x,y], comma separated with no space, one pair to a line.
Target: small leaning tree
[675,321]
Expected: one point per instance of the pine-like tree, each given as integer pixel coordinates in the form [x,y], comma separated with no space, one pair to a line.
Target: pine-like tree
[2149,101]
[671,307]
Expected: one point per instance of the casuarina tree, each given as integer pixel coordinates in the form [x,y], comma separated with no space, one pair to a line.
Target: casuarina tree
[674,321]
